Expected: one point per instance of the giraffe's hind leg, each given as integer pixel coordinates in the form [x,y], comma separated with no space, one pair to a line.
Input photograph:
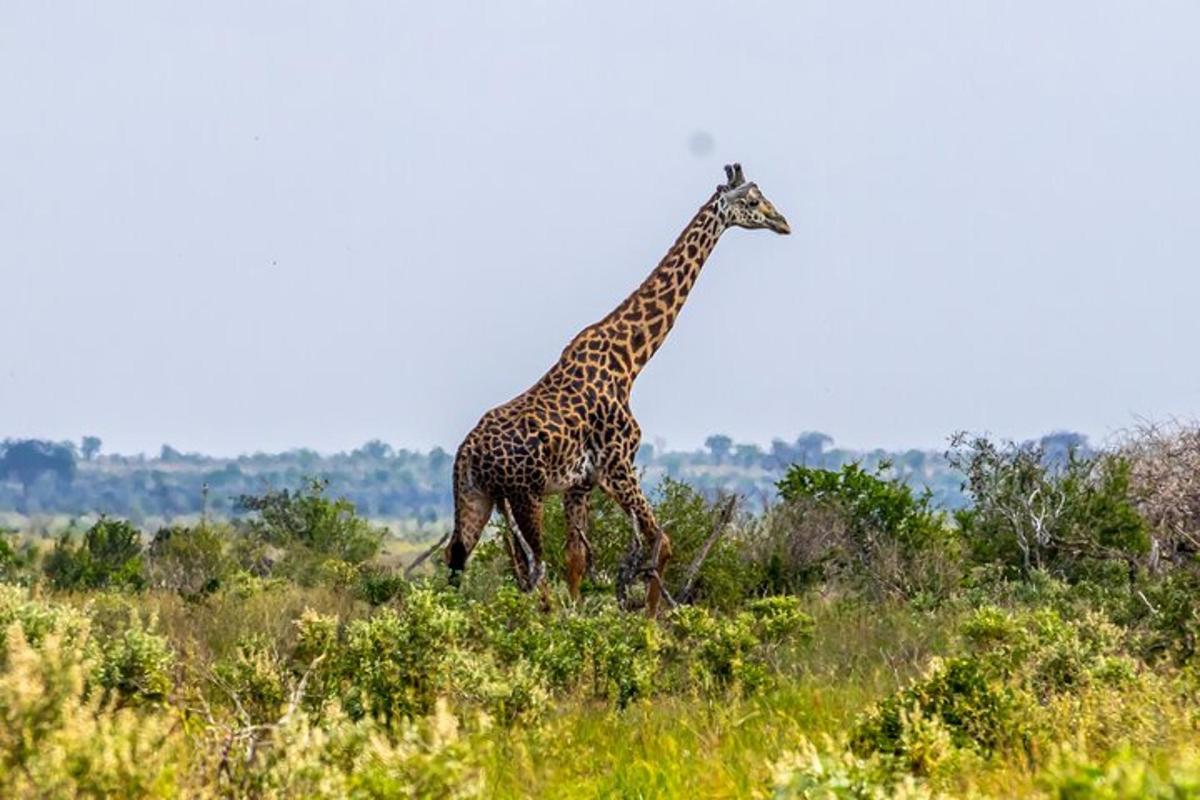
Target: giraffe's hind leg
[579,554]
[472,510]
[525,518]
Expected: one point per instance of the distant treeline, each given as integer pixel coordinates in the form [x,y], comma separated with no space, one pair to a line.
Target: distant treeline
[44,477]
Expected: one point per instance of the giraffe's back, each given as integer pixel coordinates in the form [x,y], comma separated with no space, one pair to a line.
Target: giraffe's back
[540,442]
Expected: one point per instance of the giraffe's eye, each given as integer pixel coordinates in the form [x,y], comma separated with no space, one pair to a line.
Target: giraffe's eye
[752,202]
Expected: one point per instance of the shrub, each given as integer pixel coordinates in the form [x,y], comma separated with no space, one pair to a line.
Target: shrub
[17,558]
[1122,775]
[780,618]
[37,620]
[339,757]
[255,679]
[832,773]
[1166,611]
[873,529]
[1164,477]
[990,698]
[719,651]
[134,664]
[60,738]
[396,663]
[378,585]
[1030,512]
[311,529]
[192,561]
[796,546]
[110,556]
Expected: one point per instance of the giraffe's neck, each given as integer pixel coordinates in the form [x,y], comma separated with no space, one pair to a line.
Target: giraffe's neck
[639,325]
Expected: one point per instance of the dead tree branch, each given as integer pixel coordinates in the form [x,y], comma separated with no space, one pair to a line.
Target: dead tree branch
[723,518]
[421,559]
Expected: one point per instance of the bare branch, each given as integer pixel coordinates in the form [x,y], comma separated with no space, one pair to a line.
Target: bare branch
[421,559]
[723,518]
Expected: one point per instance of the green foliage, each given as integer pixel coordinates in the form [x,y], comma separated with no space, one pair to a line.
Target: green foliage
[276,660]
[781,618]
[396,663]
[255,679]
[723,647]
[379,585]
[1032,512]
[1166,611]
[17,559]
[875,530]
[110,556]
[830,773]
[311,528]
[872,504]
[990,697]
[38,620]
[134,664]
[689,518]
[193,561]
[1122,775]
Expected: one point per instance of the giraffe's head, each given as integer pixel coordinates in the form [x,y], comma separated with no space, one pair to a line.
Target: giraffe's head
[741,204]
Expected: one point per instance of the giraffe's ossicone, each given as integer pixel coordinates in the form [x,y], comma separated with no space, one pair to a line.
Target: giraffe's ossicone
[573,429]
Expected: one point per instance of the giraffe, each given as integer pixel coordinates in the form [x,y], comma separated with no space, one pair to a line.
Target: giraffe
[573,430]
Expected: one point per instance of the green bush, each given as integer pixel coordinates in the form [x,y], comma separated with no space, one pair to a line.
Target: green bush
[990,697]
[1030,512]
[870,529]
[378,585]
[396,663]
[110,556]
[192,561]
[134,664]
[255,680]
[780,619]
[17,559]
[720,651]
[310,529]
[831,773]
[38,620]
[56,741]
[1073,774]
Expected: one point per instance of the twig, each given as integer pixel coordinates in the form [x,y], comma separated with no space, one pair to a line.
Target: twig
[421,559]
[1149,605]
[723,518]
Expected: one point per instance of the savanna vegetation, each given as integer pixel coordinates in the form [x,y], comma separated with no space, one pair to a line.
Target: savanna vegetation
[855,639]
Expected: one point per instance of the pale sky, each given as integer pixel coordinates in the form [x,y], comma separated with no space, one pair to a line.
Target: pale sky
[239,226]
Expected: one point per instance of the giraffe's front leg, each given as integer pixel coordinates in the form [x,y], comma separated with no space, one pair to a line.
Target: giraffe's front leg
[621,484]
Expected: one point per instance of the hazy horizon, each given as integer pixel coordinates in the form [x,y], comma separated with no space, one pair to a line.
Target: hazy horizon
[659,444]
[235,228]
